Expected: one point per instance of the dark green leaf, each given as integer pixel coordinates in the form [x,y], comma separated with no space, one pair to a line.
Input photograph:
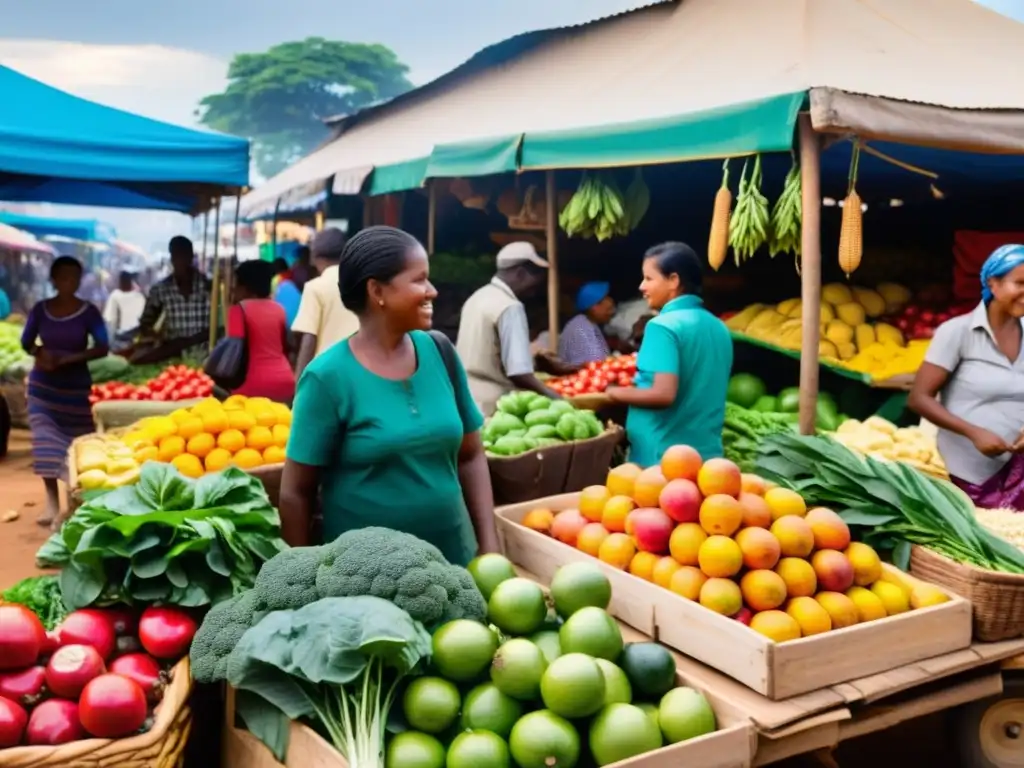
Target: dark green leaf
[80,586]
[215,559]
[177,575]
[162,487]
[53,553]
[150,590]
[854,517]
[901,556]
[150,563]
[264,721]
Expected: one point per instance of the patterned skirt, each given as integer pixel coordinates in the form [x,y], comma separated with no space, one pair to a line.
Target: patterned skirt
[56,416]
[1004,490]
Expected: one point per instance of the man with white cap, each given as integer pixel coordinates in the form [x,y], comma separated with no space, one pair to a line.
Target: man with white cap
[494,335]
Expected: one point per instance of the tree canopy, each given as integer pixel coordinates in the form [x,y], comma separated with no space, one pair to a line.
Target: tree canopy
[280,98]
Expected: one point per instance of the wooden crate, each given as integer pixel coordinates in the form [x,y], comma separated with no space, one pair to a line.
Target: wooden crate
[775,670]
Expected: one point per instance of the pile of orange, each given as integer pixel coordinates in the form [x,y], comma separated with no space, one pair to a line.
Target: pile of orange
[210,436]
[734,543]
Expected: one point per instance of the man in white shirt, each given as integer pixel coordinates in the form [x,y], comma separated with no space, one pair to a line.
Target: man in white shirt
[123,311]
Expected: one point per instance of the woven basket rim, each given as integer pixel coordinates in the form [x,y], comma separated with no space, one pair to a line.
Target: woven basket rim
[612,429]
[177,694]
[971,572]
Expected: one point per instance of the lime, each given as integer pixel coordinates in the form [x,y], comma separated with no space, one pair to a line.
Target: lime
[517,607]
[486,708]
[617,689]
[685,714]
[578,585]
[517,669]
[415,750]
[651,711]
[542,739]
[463,649]
[488,571]
[547,641]
[593,632]
[431,704]
[477,749]
[573,686]
[650,668]
[622,731]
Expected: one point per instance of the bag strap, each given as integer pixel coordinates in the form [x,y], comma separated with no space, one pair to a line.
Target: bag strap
[447,351]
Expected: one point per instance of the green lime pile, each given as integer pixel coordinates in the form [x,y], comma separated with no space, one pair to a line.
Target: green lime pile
[525,420]
[549,684]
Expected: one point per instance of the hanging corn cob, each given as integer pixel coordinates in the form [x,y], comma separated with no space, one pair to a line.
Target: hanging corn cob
[748,227]
[787,217]
[851,233]
[718,240]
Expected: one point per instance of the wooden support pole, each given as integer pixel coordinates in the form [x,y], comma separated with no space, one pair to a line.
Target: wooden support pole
[431,217]
[206,233]
[319,221]
[551,225]
[810,275]
[215,297]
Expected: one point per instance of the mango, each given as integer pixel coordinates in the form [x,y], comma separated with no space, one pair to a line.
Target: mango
[812,618]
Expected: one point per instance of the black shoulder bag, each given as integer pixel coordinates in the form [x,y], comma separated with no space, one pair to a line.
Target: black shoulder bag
[228,363]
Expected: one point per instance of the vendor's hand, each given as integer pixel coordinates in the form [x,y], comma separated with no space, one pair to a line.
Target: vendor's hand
[46,361]
[989,443]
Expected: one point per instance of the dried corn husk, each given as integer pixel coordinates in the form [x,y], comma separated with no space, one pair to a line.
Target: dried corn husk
[718,239]
[851,232]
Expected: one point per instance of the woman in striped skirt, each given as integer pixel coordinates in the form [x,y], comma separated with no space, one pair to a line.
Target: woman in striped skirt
[57,334]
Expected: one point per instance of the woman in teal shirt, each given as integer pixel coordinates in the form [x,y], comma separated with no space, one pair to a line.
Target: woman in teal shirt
[683,365]
[383,424]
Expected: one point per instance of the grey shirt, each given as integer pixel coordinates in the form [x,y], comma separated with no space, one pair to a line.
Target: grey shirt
[514,337]
[984,388]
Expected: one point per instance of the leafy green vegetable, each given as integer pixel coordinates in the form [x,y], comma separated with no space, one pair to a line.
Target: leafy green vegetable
[891,504]
[41,595]
[166,539]
[744,429]
[338,661]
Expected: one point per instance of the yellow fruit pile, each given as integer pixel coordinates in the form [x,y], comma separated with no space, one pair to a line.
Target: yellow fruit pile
[242,432]
[882,439]
[104,462]
[886,361]
[847,336]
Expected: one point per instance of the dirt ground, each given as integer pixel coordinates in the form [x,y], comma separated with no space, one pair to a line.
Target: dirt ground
[924,742]
[21,492]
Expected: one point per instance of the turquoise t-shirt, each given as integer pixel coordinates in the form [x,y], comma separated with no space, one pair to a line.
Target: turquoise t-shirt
[389,449]
[688,341]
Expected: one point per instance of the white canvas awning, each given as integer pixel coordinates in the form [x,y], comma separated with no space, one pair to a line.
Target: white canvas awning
[865,62]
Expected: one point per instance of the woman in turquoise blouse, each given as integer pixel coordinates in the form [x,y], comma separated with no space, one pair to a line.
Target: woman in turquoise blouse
[683,365]
[383,424]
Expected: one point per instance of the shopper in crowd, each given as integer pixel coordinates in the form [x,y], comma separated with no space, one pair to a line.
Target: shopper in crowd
[286,293]
[57,333]
[323,319]
[583,339]
[182,302]
[255,317]
[124,311]
[683,365]
[494,333]
[389,434]
[970,387]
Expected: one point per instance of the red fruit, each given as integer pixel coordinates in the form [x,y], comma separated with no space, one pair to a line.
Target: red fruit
[25,687]
[123,620]
[681,500]
[567,526]
[651,529]
[166,633]
[112,706]
[744,615]
[142,669]
[70,668]
[54,722]
[13,720]
[681,462]
[21,637]
[89,626]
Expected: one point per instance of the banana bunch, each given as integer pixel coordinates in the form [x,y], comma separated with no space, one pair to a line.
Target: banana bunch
[750,221]
[787,217]
[599,209]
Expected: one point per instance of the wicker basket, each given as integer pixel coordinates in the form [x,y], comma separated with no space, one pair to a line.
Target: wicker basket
[163,746]
[16,395]
[997,599]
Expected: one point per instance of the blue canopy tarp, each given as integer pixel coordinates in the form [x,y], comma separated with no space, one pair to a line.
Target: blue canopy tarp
[55,147]
[87,230]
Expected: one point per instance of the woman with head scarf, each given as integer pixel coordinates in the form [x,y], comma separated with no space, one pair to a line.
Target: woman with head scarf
[390,433]
[582,340]
[971,386]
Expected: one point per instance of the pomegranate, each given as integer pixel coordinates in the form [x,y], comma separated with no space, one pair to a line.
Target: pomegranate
[112,706]
[166,633]
[144,670]
[26,687]
[70,668]
[88,626]
[21,637]
[54,722]
[13,720]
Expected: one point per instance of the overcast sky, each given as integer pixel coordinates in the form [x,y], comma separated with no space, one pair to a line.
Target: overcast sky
[159,58]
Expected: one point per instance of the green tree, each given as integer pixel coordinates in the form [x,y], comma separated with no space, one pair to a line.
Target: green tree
[280,98]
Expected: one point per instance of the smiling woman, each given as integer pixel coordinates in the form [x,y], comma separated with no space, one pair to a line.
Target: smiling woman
[390,434]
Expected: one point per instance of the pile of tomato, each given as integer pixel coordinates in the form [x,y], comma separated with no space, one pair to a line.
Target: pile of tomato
[615,371]
[178,382]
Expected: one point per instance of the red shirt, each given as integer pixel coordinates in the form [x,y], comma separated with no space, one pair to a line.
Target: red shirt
[269,373]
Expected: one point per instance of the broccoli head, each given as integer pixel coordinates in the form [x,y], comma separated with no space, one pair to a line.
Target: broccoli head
[287,581]
[401,568]
[218,635]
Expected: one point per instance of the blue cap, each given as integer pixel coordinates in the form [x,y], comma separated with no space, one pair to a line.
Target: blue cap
[590,294]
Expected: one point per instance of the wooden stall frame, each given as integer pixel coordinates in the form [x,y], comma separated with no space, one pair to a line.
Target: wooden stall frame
[551,230]
[810,271]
